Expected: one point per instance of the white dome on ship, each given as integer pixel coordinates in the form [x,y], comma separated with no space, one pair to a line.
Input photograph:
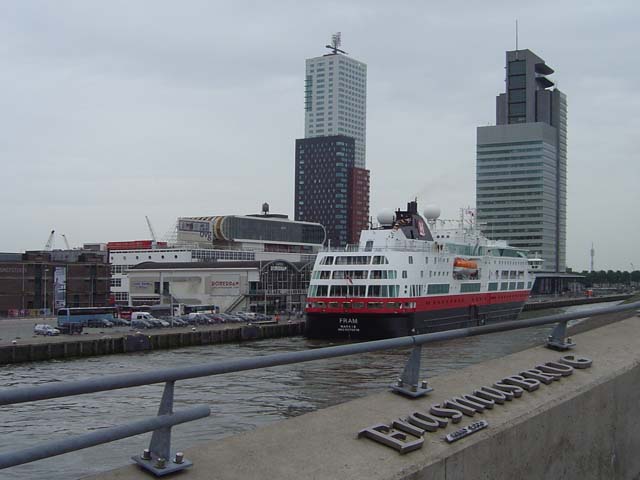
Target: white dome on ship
[386,217]
[431,211]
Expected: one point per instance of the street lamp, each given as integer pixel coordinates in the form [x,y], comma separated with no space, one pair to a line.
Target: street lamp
[45,289]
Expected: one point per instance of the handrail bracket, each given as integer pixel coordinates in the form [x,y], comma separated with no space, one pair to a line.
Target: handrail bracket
[558,339]
[409,384]
[157,459]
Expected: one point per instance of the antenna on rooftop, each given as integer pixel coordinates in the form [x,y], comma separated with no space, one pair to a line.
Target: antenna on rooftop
[516,39]
[336,41]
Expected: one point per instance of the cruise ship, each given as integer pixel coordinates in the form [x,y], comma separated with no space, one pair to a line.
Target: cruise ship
[416,274]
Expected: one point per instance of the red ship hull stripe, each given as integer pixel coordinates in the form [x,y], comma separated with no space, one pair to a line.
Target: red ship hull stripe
[422,304]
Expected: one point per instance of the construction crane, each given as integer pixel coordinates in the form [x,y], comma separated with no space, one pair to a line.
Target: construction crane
[153,234]
[66,242]
[49,245]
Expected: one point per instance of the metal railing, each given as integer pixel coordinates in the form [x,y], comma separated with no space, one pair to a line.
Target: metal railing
[160,460]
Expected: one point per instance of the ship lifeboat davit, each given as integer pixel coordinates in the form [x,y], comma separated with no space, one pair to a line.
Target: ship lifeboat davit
[464,267]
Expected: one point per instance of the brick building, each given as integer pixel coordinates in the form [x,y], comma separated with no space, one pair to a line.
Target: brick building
[41,280]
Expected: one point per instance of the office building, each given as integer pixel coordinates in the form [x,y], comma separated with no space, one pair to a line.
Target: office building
[322,193]
[336,98]
[260,238]
[36,283]
[331,181]
[521,182]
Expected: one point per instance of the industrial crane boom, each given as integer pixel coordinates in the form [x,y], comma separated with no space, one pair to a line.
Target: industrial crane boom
[49,245]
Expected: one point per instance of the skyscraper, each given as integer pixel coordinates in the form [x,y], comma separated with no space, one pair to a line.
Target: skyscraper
[332,183]
[336,98]
[521,181]
[324,166]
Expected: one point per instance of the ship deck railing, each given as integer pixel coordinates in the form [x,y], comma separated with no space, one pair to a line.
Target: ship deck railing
[159,459]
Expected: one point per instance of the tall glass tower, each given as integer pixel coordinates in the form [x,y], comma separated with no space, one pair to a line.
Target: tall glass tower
[521,169]
[336,98]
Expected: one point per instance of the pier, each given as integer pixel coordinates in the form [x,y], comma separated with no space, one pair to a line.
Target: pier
[68,346]
[581,426]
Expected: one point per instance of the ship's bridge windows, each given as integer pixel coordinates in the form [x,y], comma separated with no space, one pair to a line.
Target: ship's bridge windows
[322,274]
[380,260]
[326,261]
[319,291]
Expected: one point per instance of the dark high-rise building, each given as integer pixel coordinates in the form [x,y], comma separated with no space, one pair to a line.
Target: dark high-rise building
[329,189]
[521,172]
[358,202]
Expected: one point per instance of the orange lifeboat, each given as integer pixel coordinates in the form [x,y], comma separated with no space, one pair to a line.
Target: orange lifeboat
[463,268]
[462,263]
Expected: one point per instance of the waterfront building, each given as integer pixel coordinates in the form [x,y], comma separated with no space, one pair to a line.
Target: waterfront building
[261,238]
[336,98]
[258,286]
[329,189]
[39,282]
[521,181]
[331,181]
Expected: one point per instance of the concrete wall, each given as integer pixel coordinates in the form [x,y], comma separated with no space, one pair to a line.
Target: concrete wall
[584,426]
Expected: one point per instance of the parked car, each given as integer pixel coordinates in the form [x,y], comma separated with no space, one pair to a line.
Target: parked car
[45,329]
[99,323]
[140,323]
[177,321]
[120,322]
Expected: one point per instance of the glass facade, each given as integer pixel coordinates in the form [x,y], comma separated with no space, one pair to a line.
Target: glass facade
[521,169]
[323,167]
[271,230]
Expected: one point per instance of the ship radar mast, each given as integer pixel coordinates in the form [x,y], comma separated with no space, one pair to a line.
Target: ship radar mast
[336,41]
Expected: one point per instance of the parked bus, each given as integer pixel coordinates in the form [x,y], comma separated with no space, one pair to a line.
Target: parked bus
[201,308]
[74,319]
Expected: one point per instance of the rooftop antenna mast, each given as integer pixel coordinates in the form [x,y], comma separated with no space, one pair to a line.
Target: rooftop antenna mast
[336,41]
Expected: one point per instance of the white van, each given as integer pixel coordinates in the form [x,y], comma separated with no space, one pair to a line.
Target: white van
[147,317]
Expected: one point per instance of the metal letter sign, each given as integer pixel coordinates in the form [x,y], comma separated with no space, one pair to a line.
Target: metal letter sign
[407,434]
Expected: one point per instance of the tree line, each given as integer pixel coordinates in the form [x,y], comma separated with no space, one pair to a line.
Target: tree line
[609,277]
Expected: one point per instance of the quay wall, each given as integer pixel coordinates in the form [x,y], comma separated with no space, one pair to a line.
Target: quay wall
[574,301]
[581,426]
[88,347]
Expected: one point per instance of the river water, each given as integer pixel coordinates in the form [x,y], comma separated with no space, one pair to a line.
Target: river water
[239,402]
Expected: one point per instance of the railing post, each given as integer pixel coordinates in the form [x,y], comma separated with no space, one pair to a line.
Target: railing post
[558,339]
[157,458]
[409,383]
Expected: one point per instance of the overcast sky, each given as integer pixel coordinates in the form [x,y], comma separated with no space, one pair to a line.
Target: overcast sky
[116,110]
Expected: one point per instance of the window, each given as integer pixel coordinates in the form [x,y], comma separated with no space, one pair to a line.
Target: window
[404,274]
[326,261]
[437,288]
[470,287]
[410,260]
[493,286]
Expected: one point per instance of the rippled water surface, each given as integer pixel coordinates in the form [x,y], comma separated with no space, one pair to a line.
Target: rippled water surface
[238,402]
